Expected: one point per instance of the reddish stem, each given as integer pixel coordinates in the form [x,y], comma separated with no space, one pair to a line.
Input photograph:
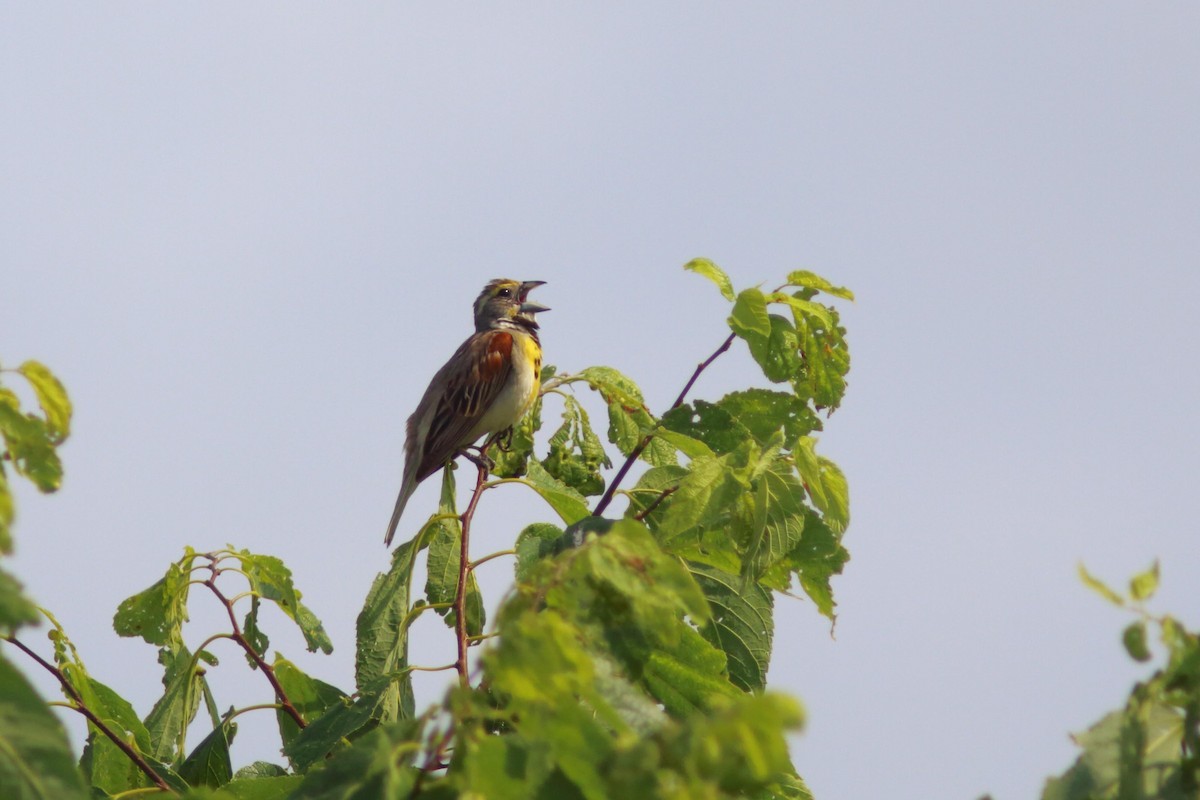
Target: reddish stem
[464,573]
[82,708]
[239,637]
[637,451]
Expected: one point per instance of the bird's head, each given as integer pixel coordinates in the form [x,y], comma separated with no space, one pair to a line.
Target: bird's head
[506,302]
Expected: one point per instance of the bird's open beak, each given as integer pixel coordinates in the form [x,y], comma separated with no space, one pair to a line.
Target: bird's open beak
[526,306]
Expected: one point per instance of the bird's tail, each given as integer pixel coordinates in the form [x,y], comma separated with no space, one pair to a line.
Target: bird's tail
[406,490]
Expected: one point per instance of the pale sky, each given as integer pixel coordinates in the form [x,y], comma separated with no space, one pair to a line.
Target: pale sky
[245,236]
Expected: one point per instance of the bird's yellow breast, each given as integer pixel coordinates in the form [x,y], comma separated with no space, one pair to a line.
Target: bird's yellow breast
[520,390]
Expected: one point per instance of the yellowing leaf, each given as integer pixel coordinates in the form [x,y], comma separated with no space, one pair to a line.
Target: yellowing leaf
[810,280]
[1099,587]
[804,307]
[52,397]
[749,316]
[1143,585]
[825,483]
[702,266]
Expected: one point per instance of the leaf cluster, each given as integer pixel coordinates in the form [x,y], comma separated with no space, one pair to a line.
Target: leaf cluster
[1149,748]
[29,444]
[630,658]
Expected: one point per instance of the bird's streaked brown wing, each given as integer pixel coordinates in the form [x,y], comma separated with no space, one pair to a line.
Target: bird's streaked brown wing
[475,376]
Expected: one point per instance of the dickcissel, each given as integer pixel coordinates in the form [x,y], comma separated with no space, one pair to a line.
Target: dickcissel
[485,388]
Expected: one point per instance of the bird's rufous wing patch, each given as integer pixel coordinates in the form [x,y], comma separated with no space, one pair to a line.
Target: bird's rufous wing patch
[478,372]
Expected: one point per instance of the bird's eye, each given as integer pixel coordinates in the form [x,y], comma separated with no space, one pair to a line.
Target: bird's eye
[506,292]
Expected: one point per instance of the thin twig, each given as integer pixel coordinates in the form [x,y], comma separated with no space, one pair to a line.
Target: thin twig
[637,451]
[416,611]
[435,760]
[442,668]
[464,572]
[240,638]
[490,556]
[663,495]
[82,708]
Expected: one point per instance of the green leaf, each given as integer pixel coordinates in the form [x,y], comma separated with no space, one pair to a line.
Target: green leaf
[36,762]
[441,585]
[382,626]
[749,318]
[15,608]
[711,424]
[576,453]
[386,656]
[116,712]
[534,543]
[106,768]
[379,765]
[613,386]
[275,787]
[51,396]
[773,340]
[254,634]
[628,419]
[1134,639]
[1143,585]
[540,666]
[310,697]
[271,580]
[741,749]
[105,765]
[751,322]
[765,413]
[441,574]
[708,494]
[579,746]
[816,559]
[779,520]
[688,445]
[1130,753]
[633,705]
[619,588]
[7,513]
[501,767]
[802,307]
[654,488]
[702,266]
[811,280]
[742,624]
[208,764]
[1099,587]
[622,590]
[29,444]
[260,769]
[344,719]
[826,360]
[629,562]
[825,483]
[566,502]
[176,709]
[689,677]
[157,614]
[778,353]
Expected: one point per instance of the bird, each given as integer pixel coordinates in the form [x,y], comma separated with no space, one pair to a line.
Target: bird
[486,387]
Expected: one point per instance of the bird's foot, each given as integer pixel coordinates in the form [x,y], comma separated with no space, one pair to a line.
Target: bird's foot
[503,440]
[478,458]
